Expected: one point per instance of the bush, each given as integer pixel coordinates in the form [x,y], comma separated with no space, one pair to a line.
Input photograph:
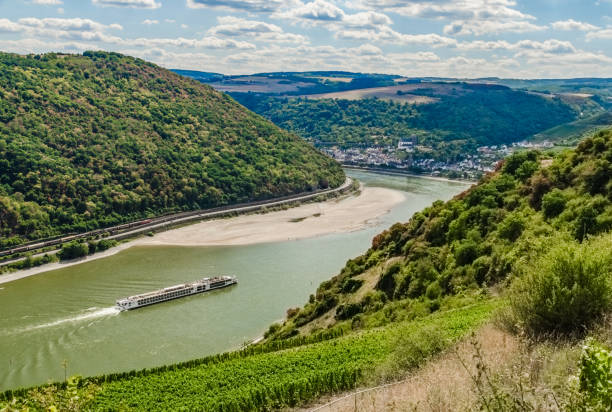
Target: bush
[564,291]
[466,252]
[73,250]
[595,379]
[511,227]
[553,203]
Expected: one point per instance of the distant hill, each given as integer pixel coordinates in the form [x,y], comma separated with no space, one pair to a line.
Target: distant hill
[451,118]
[93,140]
[200,76]
[570,133]
[448,117]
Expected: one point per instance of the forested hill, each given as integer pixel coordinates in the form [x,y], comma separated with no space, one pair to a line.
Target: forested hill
[458,118]
[486,236]
[92,140]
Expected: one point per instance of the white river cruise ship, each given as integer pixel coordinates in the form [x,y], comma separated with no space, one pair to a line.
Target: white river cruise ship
[175,292]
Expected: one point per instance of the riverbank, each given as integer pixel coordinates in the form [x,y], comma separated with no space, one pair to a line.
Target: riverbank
[309,220]
[400,172]
[346,214]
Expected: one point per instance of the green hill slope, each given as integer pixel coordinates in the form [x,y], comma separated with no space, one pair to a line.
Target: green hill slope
[477,239]
[89,141]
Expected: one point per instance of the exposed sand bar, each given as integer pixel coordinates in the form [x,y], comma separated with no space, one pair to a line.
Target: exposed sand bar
[349,213]
[309,220]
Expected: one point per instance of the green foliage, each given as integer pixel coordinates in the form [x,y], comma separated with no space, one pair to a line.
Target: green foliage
[566,290]
[456,124]
[595,377]
[94,140]
[553,203]
[511,227]
[73,250]
[387,282]
[482,236]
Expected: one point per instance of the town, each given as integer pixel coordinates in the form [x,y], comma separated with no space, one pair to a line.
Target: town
[413,158]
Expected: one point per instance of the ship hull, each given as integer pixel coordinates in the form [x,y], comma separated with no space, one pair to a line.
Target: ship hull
[176,292]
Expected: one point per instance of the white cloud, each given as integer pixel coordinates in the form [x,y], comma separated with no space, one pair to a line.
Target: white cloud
[48,2]
[72,24]
[231,26]
[88,30]
[551,46]
[184,26]
[267,6]
[603,34]
[572,24]
[7,26]
[449,9]
[479,28]
[317,10]
[136,4]
[150,22]
[467,17]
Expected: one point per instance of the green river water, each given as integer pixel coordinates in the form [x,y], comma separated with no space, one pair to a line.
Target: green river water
[68,314]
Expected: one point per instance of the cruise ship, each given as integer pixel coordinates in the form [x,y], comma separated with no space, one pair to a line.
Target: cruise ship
[175,292]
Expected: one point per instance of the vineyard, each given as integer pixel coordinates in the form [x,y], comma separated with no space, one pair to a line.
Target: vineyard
[258,379]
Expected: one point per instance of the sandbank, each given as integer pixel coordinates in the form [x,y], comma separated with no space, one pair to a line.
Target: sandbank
[345,214]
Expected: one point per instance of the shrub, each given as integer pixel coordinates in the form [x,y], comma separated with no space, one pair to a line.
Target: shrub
[511,227]
[595,379]
[386,283]
[553,203]
[351,285]
[105,244]
[73,250]
[565,290]
[466,252]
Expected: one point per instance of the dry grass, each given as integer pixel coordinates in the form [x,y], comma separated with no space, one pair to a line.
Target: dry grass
[443,384]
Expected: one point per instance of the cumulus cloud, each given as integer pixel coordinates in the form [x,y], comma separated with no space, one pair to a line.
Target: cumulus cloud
[231,26]
[602,34]
[266,6]
[467,17]
[318,10]
[479,28]
[48,2]
[551,46]
[572,24]
[136,4]
[73,24]
[150,22]
[78,29]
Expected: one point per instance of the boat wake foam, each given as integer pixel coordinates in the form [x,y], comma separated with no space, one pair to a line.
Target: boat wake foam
[89,314]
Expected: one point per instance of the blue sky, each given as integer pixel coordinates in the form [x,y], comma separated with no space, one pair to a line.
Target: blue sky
[466,38]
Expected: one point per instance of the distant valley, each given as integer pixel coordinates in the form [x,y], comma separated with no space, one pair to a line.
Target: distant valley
[441,126]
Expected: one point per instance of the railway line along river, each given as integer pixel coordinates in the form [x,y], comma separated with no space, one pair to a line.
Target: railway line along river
[68,314]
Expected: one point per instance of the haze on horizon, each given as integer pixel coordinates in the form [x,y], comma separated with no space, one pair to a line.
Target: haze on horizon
[467,38]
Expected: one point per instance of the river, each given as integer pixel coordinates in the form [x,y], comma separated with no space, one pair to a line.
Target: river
[68,314]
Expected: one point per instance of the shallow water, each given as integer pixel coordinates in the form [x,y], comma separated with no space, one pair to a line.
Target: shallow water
[68,314]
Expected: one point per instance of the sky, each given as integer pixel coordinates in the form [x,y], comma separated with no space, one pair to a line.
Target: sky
[443,38]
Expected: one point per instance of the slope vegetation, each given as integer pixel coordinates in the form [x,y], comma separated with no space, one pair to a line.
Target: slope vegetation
[478,239]
[459,118]
[542,224]
[92,140]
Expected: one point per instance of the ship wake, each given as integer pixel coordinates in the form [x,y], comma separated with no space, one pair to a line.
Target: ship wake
[90,314]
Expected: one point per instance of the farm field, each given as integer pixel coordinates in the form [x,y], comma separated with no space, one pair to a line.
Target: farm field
[384,93]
